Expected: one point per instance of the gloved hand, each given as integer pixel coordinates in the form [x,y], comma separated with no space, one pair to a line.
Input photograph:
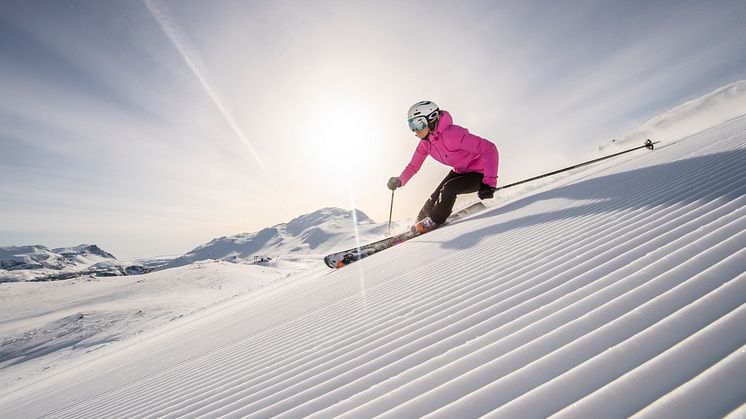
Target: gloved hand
[394,183]
[486,191]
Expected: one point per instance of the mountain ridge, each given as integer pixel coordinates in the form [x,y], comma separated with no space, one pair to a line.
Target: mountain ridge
[307,235]
[40,263]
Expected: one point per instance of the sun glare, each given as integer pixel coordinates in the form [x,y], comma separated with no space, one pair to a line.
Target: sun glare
[341,138]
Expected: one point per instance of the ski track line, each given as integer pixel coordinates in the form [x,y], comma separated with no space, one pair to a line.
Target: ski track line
[648,220]
[180,327]
[721,386]
[663,336]
[466,296]
[553,303]
[199,356]
[550,300]
[266,329]
[353,295]
[521,337]
[667,376]
[593,330]
[728,142]
[571,214]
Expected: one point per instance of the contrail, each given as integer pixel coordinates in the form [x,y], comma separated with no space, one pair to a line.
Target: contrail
[195,64]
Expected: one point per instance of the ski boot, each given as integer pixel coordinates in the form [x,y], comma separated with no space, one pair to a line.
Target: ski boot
[423,226]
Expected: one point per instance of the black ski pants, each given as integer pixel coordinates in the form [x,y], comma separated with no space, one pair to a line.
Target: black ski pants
[440,204]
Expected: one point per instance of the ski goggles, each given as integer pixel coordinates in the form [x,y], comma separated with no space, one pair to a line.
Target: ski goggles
[418,123]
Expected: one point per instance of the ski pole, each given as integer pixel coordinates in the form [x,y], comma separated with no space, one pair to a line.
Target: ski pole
[391,211]
[648,144]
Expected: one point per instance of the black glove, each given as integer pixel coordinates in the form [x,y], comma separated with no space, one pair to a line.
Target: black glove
[394,183]
[486,191]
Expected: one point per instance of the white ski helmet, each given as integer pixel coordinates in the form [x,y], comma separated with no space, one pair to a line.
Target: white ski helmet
[423,114]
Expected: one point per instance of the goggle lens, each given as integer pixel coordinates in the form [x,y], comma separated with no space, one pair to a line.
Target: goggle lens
[418,123]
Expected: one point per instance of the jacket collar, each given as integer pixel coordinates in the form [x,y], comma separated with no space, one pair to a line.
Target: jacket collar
[444,122]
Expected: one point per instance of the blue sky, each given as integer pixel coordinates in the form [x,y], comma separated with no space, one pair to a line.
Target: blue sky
[151,127]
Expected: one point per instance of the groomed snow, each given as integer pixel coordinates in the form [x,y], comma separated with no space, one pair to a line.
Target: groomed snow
[46,324]
[617,290]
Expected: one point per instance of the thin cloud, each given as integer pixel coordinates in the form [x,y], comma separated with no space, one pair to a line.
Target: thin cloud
[191,58]
[102,118]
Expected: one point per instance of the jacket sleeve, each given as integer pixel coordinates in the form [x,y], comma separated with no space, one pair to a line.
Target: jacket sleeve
[419,156]
[485,148]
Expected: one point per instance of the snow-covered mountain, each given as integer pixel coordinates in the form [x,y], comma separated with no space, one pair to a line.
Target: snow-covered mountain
[317,233]
[36,262]
[310,235]
[35,257]
[616,290]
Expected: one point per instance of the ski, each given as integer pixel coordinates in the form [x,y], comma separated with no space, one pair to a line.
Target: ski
[344,258]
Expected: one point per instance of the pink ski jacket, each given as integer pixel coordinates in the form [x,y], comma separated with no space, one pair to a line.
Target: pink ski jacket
[454,146]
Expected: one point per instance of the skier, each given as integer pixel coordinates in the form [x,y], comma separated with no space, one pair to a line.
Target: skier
[474,161]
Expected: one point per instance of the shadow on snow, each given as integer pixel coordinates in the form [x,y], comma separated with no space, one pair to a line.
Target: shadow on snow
[710,177]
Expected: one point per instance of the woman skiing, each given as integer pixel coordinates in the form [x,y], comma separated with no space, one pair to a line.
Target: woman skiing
[474,161]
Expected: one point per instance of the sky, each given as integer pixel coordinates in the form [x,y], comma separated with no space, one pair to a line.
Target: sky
[151,127]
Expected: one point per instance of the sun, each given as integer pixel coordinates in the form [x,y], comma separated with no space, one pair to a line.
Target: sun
[341,137]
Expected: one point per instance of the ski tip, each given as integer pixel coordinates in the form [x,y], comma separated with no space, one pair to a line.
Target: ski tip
[334,265]
[328,262]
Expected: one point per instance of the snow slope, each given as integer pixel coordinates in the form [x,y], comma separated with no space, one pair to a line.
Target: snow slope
[615,291]
[43,325]
[692,116]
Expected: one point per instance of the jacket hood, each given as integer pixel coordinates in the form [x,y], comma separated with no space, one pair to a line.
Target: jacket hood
[444,122]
